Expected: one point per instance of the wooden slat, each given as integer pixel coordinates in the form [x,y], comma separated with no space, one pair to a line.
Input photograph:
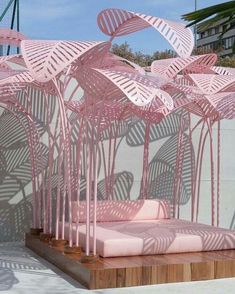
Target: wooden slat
[224,269]
[179,272]
[202,271]
[158,274]
[103,279]
[133,276]
[121,277]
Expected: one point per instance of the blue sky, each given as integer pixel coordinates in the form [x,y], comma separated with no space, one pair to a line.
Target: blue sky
[76,19]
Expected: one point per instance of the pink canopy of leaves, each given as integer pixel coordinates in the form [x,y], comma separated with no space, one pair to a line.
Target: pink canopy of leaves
[114,83]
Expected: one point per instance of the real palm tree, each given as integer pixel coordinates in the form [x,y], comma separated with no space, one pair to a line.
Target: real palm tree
[223,13]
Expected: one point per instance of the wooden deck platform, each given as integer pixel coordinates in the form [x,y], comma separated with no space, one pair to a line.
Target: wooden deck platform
[138,270]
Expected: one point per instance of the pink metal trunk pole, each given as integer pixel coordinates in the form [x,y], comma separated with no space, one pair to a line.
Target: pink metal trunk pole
[200,172]
[192,168]
[51,157]
[212,174]
[145,161]
[95,196]
[112,167]
[68,164]
[50,165]
[95,171]
[218,173]
[31,150]
[58,194]
[87,193]
[91,176]
[114,160]
[177,166]
[105,169]
[49,196]
[62,132]
[196,180]
[180,166]
[37,159]
[109,162]
[43,203]
[79,154]
[58,230]
[63,213]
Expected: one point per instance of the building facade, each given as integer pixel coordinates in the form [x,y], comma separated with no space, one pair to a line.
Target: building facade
[208,40]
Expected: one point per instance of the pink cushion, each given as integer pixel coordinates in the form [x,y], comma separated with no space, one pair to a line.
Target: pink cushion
[124,210]
[145,237]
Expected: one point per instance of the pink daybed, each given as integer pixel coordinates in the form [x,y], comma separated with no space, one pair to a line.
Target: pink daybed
[143,227]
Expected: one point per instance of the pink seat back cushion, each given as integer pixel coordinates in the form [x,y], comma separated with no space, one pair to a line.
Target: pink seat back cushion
[123,210]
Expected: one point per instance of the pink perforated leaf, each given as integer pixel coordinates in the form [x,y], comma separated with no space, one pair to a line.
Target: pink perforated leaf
[46,59]
[223,70]
[118,22]
[17,78]
[173,66]
[11,37]
[137,88]
[211,84]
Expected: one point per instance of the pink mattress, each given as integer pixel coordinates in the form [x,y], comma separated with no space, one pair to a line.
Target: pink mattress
[145,237]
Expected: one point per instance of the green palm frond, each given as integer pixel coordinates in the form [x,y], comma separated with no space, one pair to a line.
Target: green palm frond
[214,13]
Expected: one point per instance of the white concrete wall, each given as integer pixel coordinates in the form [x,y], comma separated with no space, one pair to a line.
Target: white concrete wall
[15,210]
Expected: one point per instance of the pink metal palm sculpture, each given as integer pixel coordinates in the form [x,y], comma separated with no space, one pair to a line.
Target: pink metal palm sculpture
[99,98]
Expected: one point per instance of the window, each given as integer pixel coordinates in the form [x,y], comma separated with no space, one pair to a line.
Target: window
[210,32]
[217,30]
[201,35]
[216,45]
[228,43]
[211,47]
[225,27]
